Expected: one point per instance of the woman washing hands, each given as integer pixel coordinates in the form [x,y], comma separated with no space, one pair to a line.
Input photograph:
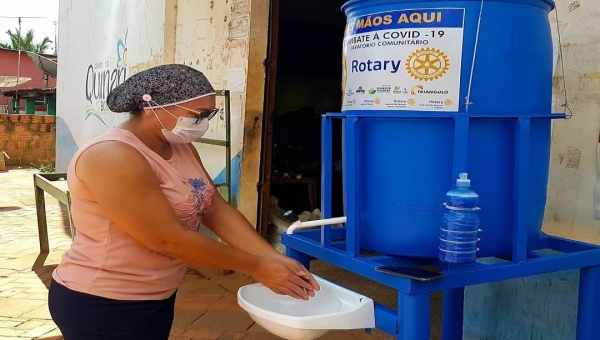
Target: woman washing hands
[139,194]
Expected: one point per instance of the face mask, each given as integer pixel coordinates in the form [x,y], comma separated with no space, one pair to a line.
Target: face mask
[185,131]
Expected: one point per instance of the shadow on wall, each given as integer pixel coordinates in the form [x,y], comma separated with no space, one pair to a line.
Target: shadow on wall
[537,307]
[66,147]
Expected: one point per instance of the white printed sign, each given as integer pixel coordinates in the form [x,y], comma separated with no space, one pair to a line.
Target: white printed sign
[404,60]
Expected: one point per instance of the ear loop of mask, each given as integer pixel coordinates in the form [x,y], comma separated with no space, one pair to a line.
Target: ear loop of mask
[148,100]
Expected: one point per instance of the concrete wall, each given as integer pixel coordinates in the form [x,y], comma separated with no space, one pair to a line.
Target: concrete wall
[570,207]
[228,41]
[101,44]
[257,54]
[28,139]
[213,36]
[545,307]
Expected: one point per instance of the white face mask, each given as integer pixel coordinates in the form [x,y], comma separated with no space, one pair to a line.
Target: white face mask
[185,131]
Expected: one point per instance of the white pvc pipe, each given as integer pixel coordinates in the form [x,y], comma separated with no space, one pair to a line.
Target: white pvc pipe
[309,224]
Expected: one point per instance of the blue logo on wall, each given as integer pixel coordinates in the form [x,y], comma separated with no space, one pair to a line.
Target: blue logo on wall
[101,78]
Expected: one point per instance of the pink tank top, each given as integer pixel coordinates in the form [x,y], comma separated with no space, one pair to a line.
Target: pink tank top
[103,259]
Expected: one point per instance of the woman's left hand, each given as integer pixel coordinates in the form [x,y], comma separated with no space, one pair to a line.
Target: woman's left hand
[301,271]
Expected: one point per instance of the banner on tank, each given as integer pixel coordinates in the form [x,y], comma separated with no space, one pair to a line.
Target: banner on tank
[404,60]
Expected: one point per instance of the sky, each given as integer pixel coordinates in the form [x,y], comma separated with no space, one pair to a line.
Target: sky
[29,8]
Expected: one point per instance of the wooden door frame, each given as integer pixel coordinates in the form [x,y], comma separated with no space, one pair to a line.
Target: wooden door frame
[264,184]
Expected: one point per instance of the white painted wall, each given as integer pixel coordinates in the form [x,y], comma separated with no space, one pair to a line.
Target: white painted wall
[570,205]
[213,37]
[100,37]
[217,37]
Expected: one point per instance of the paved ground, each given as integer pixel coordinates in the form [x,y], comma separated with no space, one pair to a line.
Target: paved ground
[206,305]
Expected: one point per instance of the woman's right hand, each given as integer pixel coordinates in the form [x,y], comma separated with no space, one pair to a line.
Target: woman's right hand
[277,276]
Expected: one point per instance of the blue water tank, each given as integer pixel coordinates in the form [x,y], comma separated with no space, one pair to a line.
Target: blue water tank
[437,88]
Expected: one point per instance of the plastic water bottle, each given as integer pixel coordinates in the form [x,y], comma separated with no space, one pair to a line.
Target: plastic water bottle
[460,224]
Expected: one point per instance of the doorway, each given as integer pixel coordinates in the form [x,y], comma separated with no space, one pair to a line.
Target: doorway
[304,81]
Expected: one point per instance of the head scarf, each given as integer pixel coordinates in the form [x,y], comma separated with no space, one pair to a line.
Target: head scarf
[162,85]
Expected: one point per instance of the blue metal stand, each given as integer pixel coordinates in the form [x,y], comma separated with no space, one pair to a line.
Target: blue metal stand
[588,317]
[452,313]
[341,246]
[411,321]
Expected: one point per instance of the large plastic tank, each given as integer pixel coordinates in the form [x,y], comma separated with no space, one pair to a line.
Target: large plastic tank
[408,71]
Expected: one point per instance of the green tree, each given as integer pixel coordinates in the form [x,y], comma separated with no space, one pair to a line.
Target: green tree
[25,43]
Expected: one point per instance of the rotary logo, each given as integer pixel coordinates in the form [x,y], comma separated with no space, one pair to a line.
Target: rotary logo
[411,101]
[377,101]
[448,102]
[427,64]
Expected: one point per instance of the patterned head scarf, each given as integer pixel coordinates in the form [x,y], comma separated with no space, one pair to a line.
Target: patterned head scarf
[165,85]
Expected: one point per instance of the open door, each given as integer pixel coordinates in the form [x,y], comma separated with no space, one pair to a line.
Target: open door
[264,185]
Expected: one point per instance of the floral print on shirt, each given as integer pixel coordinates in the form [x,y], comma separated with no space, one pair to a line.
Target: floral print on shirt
[199,197]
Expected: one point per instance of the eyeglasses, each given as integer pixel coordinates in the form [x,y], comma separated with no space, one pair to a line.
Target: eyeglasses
[206,115]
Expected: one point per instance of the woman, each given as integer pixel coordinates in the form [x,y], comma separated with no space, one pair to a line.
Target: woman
[139,194]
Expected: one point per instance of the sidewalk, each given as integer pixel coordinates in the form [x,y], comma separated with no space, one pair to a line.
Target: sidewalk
[206,306]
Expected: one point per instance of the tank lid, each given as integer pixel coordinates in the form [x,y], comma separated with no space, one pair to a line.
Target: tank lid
[371,3]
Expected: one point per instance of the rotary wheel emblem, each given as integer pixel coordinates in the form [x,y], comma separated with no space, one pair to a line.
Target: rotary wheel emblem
[427,64]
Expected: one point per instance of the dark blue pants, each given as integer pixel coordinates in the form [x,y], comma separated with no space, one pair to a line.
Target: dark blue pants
[81,316]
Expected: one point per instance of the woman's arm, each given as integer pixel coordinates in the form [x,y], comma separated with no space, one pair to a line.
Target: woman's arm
[127,190]
[232,227]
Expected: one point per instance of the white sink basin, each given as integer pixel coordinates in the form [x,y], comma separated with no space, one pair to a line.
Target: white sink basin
[333,307]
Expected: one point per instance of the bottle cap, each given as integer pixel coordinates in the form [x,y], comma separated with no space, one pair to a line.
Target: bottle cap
[463,180]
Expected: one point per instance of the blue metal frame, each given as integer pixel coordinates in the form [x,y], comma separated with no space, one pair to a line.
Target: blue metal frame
[411,320]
